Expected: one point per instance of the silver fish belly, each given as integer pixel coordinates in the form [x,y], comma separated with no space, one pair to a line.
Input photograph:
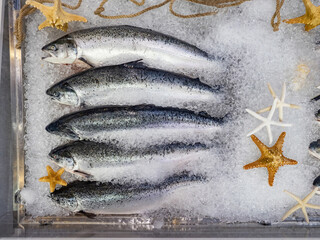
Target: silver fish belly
[108,198]
[85,124]
[128,85]
[86,158]
[114,45]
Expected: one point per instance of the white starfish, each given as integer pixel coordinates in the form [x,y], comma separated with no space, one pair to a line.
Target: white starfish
[303,204]
[281,104]
[267,122]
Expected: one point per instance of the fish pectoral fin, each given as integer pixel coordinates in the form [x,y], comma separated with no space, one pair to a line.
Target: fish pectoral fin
[82,174]
[88,215]
[135,64]
[86,62]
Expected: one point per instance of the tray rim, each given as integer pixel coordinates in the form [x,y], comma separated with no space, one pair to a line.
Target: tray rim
[22,221]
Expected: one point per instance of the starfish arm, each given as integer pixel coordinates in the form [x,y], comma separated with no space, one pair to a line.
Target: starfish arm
[310,195]
[255,164]
[288,161]
[312,206]
[293,106]
[273,108]
[302,19]
[281,113]
[52,186]
[310,8]
[43,8]
[60,172]
[281,124]
[292,210]
[257,129]
[280,141]
[309,27]
[69,17]
[271,91]
[264,110]
[294,197]
[255,115]
[263,148]
[283,92]
[269,134]
[44,179]
[62,182]
[305,214]
[46,23]
[272,172]
[50,171]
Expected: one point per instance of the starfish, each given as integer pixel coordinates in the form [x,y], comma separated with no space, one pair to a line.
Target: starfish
[271,157]
[54,178]
[267,122]
[281,104]
[311,19]
[56,16]
[303,204]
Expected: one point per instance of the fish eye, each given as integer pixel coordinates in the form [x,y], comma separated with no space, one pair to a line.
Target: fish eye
[53,48]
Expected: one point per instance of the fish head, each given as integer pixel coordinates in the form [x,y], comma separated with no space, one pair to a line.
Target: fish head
[314,148]
[65,199]
[61,51]
[63,93]
[63,157]
[61,127]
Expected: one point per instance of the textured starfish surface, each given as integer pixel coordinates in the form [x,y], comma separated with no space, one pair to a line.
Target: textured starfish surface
[55,15]
[54,178]
[271,157]
[280,104]
[303,204]
[311,19]
[267,122]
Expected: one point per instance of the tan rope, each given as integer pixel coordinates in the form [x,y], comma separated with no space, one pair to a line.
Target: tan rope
[191,15]
[276,24]
[27,10]
[216,3]
[100,9]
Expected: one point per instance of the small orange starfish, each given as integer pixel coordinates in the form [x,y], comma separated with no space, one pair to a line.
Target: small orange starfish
[54,178]
[311,19]
[56,16]
[271,157]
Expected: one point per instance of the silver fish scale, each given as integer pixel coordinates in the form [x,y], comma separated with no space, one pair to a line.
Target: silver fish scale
[133,117]
[120,76]
[95,154]
[118,33]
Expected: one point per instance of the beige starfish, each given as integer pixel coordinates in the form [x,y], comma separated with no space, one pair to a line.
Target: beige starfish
[303,204]
[56,16]
[281,104]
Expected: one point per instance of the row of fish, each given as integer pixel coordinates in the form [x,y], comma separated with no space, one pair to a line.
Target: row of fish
[314,147]
[133,63]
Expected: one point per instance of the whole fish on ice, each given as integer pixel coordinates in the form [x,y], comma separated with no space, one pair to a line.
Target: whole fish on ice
[87,158]
[132,85]
[113,45]
[88,123]
[128,198]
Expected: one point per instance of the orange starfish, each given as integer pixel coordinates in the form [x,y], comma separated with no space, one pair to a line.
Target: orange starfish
[56,16]
[311,19]
[54,178]
[271,157]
